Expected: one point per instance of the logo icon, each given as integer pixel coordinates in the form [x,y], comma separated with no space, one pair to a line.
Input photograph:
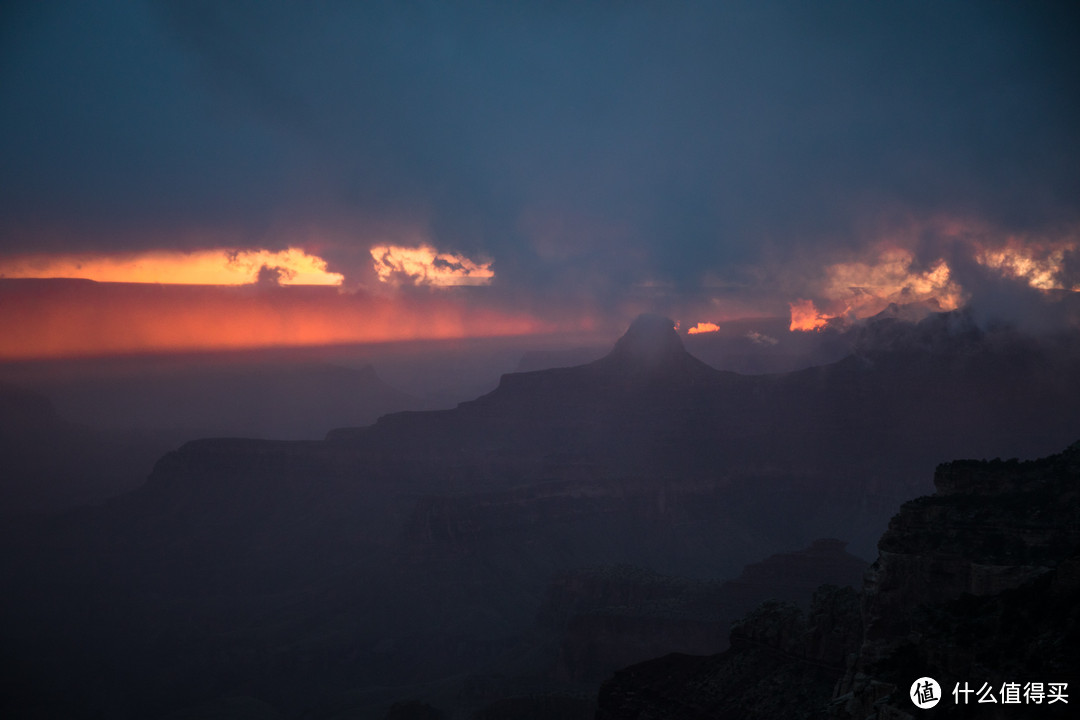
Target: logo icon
[925,693]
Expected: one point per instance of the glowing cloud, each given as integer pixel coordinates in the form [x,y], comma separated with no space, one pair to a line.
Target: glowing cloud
[424,265]
[703,327]
[805,316]
[202,267]
[866,287]
[1038,265]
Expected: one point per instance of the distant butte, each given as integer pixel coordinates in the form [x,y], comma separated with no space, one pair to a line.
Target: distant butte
[650,340]
[651,347]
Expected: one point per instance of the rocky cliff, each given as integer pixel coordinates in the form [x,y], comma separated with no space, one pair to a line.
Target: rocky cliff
[976,584]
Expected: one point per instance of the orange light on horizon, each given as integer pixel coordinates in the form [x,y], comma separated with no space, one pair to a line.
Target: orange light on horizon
[76,319]
[221,266]
[703,327]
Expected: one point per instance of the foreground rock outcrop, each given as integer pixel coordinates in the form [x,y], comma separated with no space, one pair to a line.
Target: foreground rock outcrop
[977,585]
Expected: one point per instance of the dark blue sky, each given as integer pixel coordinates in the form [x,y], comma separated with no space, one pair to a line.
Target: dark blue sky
[585,148]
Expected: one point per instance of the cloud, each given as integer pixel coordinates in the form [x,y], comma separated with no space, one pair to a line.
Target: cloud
[1041,265]
[866,287]
[805,316]
[270,276]
[703,327]
[937,265]
[424,265]
[760,338]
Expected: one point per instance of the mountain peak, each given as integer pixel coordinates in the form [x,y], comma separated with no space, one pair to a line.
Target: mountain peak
[650,341]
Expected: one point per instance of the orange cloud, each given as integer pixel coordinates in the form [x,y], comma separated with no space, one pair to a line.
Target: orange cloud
[1040,265]
[703,327]
[424,265]
[202,267]
[865,287]
[805,316]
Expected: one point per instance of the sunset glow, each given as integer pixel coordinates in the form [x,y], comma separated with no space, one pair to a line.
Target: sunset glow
[890,274]
[74,318]
[424,265]
[805,316]
[703,327]
[202,267]
[865,287]
[1039,266]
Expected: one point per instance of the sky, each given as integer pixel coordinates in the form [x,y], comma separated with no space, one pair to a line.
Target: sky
[530,167]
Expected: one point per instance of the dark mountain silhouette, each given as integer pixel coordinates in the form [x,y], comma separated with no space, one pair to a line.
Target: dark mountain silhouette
[860,428]
[651,345]
[133,414]
[548,359]
[50,463]
[753,347]
[387,563]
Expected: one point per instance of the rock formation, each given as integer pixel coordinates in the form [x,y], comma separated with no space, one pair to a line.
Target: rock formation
[976,584]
